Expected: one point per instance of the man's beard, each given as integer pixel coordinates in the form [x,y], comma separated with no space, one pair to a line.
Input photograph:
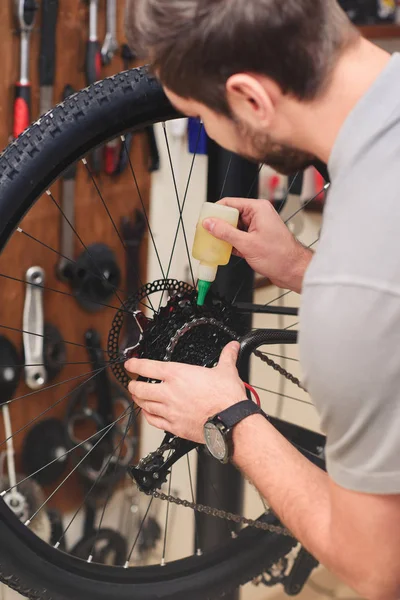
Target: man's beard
[284,159]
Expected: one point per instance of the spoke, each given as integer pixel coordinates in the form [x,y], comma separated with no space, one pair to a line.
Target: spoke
[49,289]
[290,291]
[226,176]
[255,180]
[65,454]
[126,565]
[293,325]
[143,206]
[326,187]
[95,373]
[284,200]
[257,387]
[49,387]
[196,537]
[48,192]
[110,491]
[179,205]
[166,522]
[100,475]
[44,336]
[184,202]
[71,472]
[12,477]
[33,238]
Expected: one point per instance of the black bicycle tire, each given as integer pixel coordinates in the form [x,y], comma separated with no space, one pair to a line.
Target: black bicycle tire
[28,166]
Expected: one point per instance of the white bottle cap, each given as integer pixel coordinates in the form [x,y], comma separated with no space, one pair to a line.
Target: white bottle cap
[207,272]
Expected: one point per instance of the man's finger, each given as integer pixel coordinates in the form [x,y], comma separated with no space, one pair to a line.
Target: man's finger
[229,355]
[226,232]
[148,391]
[155,421]
[152,369]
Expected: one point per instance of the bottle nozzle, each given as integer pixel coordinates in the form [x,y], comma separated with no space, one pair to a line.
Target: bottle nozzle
[203,287]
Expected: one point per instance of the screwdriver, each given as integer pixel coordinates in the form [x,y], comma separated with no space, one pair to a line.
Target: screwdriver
[26,11]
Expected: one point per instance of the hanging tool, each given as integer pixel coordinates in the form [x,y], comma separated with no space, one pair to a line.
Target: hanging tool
[65,268]
[110,44]
[47,56]
[26,11]
[93,70]
[132,231]
[44,348]
[154,156]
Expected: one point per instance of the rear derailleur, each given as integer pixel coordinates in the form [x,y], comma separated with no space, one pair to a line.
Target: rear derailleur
[292,578]
[152,470]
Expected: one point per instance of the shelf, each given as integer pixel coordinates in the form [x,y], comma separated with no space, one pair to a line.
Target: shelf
[379,32]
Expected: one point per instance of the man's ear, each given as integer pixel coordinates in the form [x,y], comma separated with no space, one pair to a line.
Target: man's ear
[252,99]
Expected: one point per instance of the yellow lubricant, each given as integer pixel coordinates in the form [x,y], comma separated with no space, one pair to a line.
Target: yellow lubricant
[211,252]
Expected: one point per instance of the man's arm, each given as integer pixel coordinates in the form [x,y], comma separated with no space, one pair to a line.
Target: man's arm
[354,535]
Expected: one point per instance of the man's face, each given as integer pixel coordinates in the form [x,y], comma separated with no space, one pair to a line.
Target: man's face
[236,136]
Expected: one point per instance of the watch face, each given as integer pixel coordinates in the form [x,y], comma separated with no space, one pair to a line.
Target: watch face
[215,441]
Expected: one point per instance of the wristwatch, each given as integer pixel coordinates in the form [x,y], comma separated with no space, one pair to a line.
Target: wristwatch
[218,429]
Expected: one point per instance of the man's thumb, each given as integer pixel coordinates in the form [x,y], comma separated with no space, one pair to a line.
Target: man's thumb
[229,355]
[223,231]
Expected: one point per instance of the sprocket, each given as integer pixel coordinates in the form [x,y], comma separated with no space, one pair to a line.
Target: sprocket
[221,323]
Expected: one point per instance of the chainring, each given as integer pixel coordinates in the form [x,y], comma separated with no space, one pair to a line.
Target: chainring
[173,322]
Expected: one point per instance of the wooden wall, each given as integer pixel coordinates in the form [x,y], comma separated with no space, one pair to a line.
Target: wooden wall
[43,221]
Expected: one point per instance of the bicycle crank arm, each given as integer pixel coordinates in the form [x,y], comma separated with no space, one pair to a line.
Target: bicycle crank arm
[152,471]
[33,329]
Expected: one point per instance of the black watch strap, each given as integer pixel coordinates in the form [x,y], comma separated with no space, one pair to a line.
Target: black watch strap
[236,413]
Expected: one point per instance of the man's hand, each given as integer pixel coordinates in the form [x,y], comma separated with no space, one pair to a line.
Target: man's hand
[187,395]
[264,242]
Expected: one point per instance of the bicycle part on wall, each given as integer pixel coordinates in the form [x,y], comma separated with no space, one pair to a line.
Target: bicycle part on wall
[45,444]
[44,348]
[33,329]
[10,369]
[96,275]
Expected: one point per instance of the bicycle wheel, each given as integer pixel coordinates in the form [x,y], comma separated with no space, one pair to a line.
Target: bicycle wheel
[37,569]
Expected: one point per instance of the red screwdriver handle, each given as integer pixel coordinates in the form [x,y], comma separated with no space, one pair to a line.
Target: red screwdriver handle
[22,108]
[93,62]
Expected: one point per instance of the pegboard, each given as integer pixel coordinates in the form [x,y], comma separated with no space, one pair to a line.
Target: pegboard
[43,222]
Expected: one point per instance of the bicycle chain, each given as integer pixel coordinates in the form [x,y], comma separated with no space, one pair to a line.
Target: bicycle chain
[201,508]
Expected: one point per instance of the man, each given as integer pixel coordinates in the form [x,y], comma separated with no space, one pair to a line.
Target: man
[284,82]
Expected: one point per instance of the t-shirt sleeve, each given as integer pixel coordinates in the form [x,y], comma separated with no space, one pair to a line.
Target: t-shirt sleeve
[350,354]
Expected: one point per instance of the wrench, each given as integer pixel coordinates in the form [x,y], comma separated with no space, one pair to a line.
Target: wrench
[33,323]
[110,44]
[65,268]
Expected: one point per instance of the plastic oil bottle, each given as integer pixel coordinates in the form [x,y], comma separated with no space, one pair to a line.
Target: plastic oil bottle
[211,252]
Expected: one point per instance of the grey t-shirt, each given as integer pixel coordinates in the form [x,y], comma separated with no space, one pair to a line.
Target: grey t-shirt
[350,314]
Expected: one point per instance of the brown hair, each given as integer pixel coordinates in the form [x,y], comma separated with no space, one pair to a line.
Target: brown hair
[196,45]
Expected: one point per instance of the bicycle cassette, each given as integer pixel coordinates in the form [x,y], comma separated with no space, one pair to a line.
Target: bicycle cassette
[179,331]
